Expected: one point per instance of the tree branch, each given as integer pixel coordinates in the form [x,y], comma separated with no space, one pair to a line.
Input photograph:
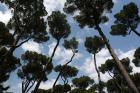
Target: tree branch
[23,42]
[137,33]
[39,81]
[63,67]
[27,90]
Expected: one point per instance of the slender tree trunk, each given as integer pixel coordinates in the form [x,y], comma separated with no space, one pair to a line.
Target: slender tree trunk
[39,81]
[61,71]
[99,77]
[117,61]
[56,80]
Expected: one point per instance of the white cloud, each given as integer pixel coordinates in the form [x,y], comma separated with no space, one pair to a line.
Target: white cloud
[102,56]
[5,16]
[48,84]
[115,1]
[52,5]
[62,55]
[130,54]
[88,66]
[32,46]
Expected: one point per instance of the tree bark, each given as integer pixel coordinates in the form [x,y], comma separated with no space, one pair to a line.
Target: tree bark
[117,61]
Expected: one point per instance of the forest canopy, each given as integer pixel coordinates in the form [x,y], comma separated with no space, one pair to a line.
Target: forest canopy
[69,46]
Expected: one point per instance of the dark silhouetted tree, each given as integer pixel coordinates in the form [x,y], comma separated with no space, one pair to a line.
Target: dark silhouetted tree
[118,84]
[94,45]
[27,23]
[136,59]
[72,45]
[58,28]
[91,14]
[33,69]
[127,20]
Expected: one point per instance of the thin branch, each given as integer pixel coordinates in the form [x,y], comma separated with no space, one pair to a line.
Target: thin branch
[22,86]
[137,33]
[27,85]
[23,42]
[30,87]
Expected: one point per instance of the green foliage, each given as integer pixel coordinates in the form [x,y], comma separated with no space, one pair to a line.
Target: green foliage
[28,21]
[135,77]
[136,59]
[126,20]
[77,90]
[66,70]
[8,65]
[112,67]
[113,87]
[58,25]
[62,88]
[34,66]
[91,11]
[82,82]
[94,44]
[6,38]
[57,89]
[71,44]
[119,29]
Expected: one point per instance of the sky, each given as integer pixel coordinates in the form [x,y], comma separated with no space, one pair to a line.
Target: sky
[123,46]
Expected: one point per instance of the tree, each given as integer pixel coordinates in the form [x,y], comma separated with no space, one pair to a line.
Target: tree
[111,66]
[71,44]
[33,69]
[10,62]
[26,23]
[58,28]
[66,72]
[136,59]
[118,84]
[94,45]
[91,15]
[82,82]
[127,20]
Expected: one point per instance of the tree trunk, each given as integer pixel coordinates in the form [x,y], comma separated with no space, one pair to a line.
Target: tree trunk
[117,61]
[61,70]
[99,78]
[39,81]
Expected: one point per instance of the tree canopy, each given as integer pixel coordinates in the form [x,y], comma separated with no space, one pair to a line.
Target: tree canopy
[31,22]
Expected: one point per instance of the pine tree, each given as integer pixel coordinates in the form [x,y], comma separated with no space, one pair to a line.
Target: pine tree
[127,21]
[91,14]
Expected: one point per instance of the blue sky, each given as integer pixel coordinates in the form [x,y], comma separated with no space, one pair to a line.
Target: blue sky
[124,46]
